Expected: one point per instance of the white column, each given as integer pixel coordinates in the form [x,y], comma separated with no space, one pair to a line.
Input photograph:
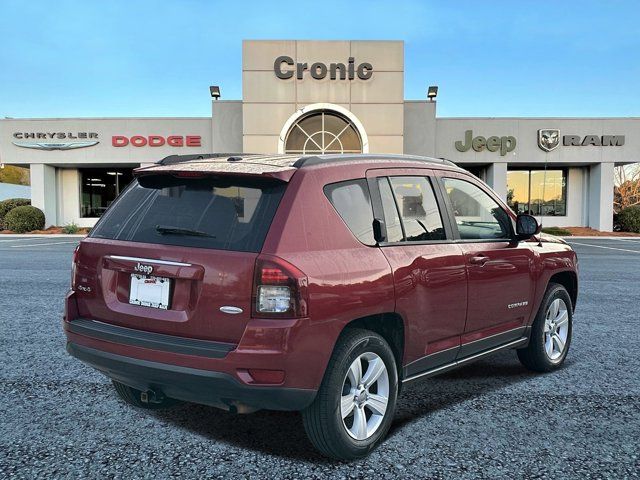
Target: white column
[601,196]
[43,191]
[69,196]
[497,179]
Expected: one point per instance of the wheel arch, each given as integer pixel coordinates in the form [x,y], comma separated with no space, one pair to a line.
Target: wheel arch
[569,280]
[390,326]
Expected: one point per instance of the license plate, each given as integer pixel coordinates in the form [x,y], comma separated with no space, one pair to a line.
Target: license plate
[149,291]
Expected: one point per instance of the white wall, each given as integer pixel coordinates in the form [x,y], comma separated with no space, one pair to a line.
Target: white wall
[44,191]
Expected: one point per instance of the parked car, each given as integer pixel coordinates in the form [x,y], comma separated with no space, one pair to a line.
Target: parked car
[313,283]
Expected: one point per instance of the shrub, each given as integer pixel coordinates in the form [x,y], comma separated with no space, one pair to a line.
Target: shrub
[629,219]
[24,219]
[561,232]
[7,205]
[70,228]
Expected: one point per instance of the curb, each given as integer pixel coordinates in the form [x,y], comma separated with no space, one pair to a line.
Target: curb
[594,237]
[41,235]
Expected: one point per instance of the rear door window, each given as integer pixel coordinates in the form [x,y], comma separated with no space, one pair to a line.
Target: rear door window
[352,201]
[419,209]
[225,214]
[390,210]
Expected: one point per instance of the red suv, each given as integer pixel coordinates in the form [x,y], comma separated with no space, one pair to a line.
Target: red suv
[312,283]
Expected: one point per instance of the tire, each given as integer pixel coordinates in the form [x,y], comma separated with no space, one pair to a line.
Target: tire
[134,397]
[347,438]
[550,333]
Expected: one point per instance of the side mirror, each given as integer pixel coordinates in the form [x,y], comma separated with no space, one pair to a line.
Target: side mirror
[379,230]
[526,227]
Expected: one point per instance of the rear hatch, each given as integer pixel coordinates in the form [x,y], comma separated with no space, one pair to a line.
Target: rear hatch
[175,254]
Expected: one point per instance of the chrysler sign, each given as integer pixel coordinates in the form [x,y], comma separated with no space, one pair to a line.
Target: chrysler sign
[55,140]
[75,140]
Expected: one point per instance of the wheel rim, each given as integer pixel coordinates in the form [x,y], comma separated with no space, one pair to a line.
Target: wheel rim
[556,329]
[365,396]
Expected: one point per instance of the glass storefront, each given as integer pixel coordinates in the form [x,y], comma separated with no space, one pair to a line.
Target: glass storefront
[536,192]
[100,187]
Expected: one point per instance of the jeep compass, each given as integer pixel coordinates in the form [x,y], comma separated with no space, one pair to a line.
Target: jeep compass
[312,283]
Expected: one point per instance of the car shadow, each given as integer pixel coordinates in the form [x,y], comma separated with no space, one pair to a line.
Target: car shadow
[282,434]
[426,397]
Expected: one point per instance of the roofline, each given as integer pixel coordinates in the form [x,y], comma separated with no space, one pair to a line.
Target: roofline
[309,161]
[304,161]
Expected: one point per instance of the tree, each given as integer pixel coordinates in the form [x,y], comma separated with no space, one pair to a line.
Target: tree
[15,175]
[626,191]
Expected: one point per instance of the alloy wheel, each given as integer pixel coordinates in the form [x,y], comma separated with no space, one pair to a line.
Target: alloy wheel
[556,329]
[365,396]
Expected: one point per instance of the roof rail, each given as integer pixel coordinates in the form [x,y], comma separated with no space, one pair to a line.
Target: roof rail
[173,159]
[321,160]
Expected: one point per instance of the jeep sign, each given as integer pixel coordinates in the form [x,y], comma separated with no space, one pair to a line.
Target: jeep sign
[503,144]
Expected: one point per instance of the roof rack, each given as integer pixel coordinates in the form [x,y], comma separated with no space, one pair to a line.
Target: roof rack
[173,159]
[309,161]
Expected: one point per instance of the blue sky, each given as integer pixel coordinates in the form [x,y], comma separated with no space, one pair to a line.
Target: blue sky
[490,58]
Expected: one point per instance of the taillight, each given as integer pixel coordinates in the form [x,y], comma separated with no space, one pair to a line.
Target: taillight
[279,289]
[74,267]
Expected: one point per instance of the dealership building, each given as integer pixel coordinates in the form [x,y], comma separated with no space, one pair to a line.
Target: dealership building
[312,97]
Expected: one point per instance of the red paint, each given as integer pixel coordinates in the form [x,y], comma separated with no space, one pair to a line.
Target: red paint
[175,141]
[442,299]
[156,141]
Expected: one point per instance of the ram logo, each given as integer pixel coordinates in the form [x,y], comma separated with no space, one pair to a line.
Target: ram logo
[548,139]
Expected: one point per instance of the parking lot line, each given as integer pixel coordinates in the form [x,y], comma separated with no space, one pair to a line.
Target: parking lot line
[602,246]
[632,240]
[38,244]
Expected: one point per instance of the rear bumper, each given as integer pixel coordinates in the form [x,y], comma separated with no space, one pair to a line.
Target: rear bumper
[207,387]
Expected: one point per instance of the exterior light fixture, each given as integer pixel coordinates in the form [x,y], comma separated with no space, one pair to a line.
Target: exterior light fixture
[432,92]
[215,91]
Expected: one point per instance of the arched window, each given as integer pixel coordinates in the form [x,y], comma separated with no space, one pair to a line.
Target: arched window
[323,131]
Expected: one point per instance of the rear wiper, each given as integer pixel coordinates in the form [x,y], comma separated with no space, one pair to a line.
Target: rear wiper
[164,229]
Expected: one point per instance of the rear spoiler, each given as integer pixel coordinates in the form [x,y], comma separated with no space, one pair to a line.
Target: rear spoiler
[218,165]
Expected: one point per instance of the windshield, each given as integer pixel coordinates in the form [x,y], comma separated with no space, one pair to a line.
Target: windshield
[220,213]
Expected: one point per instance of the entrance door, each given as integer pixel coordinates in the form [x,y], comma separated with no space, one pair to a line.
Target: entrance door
[499,269]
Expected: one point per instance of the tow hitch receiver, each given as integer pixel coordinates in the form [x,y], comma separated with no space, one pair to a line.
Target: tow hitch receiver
[151,396]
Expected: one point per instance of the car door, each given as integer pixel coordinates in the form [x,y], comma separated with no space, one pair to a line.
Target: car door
[500,270]
[428,268]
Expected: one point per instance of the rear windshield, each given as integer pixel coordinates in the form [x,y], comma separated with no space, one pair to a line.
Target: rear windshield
[224,214]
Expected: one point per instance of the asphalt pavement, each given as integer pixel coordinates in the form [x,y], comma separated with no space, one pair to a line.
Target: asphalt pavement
[492,419]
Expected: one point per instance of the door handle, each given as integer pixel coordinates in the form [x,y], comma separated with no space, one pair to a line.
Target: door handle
[478,260]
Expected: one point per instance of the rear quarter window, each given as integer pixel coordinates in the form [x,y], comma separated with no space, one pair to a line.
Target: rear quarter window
[218,213]
[352,201]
